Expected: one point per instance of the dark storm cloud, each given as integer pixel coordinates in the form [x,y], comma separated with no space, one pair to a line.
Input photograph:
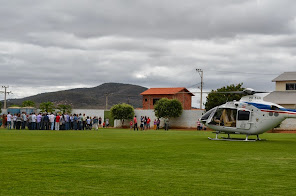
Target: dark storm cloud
[60,44]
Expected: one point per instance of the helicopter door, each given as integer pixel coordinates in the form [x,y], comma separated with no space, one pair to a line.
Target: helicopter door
[243,119]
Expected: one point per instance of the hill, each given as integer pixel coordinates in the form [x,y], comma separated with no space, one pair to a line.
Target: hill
[90,98]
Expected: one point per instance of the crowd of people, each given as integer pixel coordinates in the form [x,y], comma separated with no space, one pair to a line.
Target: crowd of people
[51,121]
[145,124]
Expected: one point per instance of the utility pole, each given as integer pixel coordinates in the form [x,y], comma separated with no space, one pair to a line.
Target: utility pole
[5,93]
[200,71]
[106,100]
[107,96]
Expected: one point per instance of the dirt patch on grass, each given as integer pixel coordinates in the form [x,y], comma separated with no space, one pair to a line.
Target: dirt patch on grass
[282,131]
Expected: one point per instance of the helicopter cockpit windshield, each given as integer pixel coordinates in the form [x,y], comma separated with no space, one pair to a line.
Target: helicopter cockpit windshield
[224,117]
[205,117]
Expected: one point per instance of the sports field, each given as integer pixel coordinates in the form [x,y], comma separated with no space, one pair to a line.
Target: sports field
[124,162]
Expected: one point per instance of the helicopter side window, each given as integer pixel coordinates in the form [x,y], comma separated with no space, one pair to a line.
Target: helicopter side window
[273,107]
[243,115]
[224,117]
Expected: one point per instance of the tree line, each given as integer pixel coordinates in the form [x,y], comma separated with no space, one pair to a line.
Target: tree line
[47,107]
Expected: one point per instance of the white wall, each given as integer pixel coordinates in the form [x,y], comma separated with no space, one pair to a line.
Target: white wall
[89,112]
[289,123]
[188,119]
[4,111]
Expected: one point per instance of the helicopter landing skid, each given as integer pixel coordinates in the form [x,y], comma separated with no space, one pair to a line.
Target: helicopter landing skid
[236,139]
[233,139]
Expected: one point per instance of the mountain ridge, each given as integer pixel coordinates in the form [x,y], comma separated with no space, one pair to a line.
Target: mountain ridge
[90,98]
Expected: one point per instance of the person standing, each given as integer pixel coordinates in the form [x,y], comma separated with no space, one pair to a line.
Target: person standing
[166,124]
[142,123]
[30,121]
[9,117]
[62,122]
[136,123]
[46,121]
[71,121]
[131,125]
[57,122]
[51,120]
[88,123]
[83,122]
[148,122]
[100,121]
[34,120]
[198,125]
[95,123]
[75,122]
[79,121]
[14,120]
[157,124]
[107,123]
[39,118]
[145,123]
[18,121]
[24,120]
[67,122]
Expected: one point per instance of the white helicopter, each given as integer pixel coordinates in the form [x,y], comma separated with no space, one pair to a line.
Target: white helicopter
[250,116]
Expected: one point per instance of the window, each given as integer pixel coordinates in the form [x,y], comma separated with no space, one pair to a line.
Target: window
[290,86]
[243,115]
[146,100]
[155,100]
[207,114]
[273,107]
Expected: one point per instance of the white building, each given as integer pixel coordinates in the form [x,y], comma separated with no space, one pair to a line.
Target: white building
[285,90]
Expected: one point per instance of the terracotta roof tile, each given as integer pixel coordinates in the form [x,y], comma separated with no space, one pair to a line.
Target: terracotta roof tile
[164,91]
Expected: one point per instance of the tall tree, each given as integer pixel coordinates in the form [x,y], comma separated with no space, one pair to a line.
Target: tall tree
[47,107]
[65,108]
[122,111]
[28,103]
[215,99]
[168,108]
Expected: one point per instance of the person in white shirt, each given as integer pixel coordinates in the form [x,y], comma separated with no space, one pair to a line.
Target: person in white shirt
[33,121]
[24,120]
[51,120]
[14,121]
[9,120]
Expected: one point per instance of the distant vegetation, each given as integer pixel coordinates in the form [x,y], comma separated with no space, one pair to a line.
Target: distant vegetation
[215,99]
[65,108]
[47,107]
[122,111]
[168,108]
[28,103]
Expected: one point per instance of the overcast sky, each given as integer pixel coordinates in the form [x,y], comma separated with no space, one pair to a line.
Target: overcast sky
[61,44]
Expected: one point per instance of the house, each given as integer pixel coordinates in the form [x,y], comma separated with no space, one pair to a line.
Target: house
[285,91]
[152,95]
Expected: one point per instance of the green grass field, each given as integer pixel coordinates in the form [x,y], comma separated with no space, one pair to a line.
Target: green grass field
[123,162]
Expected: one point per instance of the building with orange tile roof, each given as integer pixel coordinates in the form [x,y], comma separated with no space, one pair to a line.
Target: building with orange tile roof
[152,95]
